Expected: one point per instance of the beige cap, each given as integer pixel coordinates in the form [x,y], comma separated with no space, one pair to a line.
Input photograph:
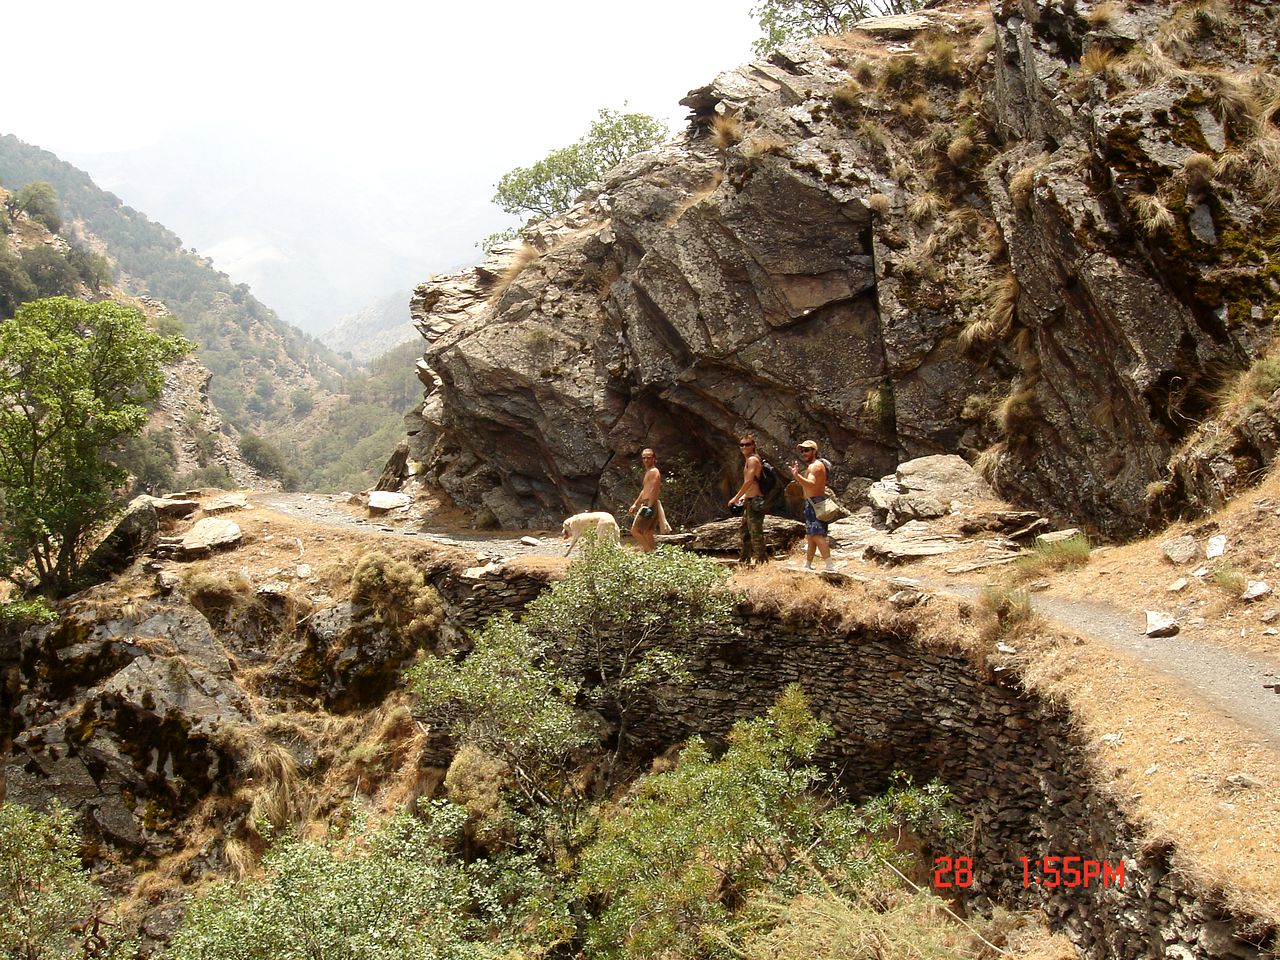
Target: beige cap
[807,445]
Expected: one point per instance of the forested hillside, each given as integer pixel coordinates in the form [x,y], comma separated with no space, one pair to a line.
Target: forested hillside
[303,414]
[259,363]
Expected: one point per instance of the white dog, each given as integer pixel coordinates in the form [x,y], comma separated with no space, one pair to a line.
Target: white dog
[605,526]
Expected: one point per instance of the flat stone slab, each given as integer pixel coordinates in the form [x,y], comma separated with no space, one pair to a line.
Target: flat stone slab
[209,533]
[225,504]
[173,507]
[380,501]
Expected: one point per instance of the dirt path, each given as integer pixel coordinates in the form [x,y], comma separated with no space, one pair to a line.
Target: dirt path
[1229,680]
[1232,681]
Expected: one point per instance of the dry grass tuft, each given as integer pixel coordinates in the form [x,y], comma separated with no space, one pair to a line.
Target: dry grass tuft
[996,320]
[916,110]
[988,462]
[848,95]
[1103,15]
[1047,558]
[726,130]
[1016,411]
[873,135]
[962,150]
[1022,183]
[938,59]
[879,204]
[887,921]
[763,145]
[1198,170]
[1098,60]
[864,71]
[522,258]
[1153,215]
[924,206]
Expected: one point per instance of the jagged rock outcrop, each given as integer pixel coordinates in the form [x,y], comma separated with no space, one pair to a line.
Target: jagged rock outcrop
[1036,242]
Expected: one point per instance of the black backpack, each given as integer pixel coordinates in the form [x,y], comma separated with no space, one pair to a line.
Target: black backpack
[768,478]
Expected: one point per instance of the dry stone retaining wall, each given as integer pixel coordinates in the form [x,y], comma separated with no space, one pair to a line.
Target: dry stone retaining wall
[1010,759]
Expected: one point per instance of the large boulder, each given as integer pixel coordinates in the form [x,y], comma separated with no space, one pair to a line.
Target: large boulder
[1018,295]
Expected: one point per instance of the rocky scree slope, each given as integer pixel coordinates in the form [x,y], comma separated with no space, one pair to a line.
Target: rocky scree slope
[1042,236]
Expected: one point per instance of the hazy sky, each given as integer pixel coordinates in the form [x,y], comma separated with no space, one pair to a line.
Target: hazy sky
[379,93]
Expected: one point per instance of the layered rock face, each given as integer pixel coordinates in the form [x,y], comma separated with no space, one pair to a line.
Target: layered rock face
[1035,239]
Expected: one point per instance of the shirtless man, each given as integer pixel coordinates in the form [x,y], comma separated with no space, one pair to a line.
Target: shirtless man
[812,477]
[646,504]
[751,498]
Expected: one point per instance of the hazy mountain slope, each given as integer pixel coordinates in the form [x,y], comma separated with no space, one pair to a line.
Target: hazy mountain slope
[373,330]
[314,239]
[260,365]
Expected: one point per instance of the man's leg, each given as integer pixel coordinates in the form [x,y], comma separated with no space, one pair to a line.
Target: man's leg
[744,552]
[755,526]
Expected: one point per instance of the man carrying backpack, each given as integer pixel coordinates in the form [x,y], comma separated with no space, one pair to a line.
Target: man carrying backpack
[758,480]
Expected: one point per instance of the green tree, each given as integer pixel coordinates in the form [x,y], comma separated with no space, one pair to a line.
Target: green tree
[785,20]
[680,856]
[514,695]
[39,201]
[73,380]
[50,271]
[16,287]
[552,184]
[44,889]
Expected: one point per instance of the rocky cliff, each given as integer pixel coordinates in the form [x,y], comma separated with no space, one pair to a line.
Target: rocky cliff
[1042,235]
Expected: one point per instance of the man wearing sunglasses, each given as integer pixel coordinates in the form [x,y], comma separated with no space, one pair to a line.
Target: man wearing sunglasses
[750,498]
[811,474]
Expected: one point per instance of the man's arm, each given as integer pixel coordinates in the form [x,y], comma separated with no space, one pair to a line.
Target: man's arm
[750,472]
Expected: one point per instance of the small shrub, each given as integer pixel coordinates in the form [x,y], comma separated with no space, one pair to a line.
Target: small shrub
[45,891]
[1054,557]
[18,615]
[397,595]
[215,476]
[1230,580]
[864,71]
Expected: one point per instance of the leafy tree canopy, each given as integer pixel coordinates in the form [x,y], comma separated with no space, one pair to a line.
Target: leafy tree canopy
[39,201]
[45,891]
[73,380]
[552,184]
[785,20]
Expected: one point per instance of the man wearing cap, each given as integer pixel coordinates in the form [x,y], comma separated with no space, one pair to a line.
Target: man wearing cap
[750,498]
[811,474]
